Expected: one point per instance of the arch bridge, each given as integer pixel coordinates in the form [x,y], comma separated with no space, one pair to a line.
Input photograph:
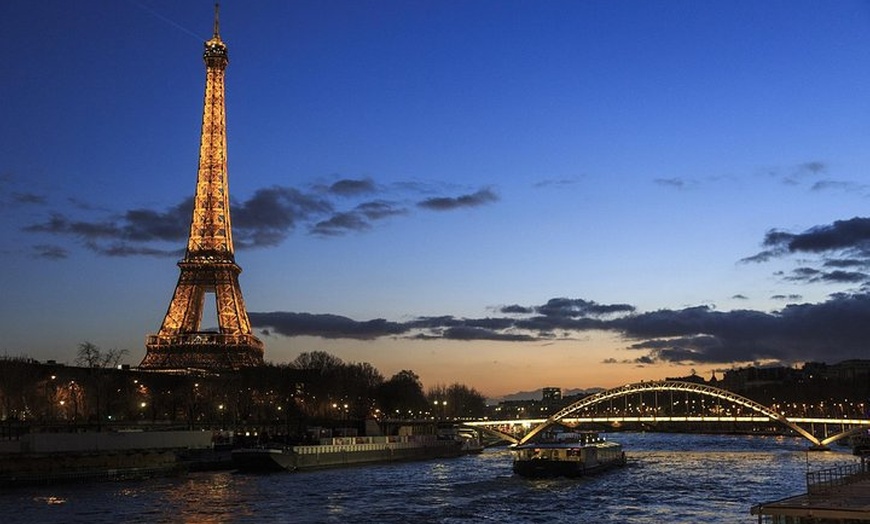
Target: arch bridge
[733,411]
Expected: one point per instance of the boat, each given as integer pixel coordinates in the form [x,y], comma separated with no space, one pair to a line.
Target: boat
[471,442]
[346,451]
[566,454]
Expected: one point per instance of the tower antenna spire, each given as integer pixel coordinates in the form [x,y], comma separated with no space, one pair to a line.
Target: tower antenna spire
[217,24]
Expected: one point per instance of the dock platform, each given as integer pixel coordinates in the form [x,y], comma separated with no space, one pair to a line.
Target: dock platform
[834,495]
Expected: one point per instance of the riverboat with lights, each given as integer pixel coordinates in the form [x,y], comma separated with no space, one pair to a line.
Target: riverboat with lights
[566,454]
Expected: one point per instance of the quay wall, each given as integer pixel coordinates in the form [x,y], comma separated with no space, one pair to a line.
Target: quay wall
[95,442]
[27,469]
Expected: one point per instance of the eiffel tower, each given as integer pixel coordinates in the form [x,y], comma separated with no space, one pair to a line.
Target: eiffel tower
[208,266]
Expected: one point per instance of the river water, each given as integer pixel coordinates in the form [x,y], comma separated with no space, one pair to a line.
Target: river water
[669,478]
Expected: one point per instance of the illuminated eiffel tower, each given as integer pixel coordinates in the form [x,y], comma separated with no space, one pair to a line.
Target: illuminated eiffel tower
[208,266]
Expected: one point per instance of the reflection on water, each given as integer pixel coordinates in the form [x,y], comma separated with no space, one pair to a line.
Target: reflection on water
[669,478]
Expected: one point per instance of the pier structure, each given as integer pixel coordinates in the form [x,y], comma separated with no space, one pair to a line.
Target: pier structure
[208,267]
[835,495]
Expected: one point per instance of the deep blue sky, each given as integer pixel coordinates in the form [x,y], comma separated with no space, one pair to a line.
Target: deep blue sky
[525,193]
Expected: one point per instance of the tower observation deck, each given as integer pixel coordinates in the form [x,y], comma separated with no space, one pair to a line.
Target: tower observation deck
[208,267]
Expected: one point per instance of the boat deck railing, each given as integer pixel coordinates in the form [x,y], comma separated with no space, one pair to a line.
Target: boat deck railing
[828,479]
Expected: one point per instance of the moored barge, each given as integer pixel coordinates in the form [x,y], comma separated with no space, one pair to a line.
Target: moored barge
[347,451]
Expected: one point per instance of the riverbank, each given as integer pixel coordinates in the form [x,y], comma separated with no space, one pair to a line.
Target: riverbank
[49,458]
[54,468]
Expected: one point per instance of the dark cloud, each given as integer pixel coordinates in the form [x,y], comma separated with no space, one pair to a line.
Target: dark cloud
[266,219]
[740,297]
[339,224]
[803,171]
[811,275]
[271,214]
[325,326]
[557,182]
[562,315]
[447,321]
[82,205]
[484,196]
[841,250]
[806,274]
[852,234]
[547,326]
[478,333]
[351,187]
[380,209]
[50,252]
[797,174]
[844,263]
[763,256]
[516,309]
[122,249]
[576,307]
[830,331]
[145,225]
[833,330]
[28,198]
[136,226]
[360,219]
[845,277]
[813,167]
[676,183]
[60,225]
[680,349]
[838,185]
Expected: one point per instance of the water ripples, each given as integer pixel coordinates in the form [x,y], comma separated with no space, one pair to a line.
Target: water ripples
[669,478]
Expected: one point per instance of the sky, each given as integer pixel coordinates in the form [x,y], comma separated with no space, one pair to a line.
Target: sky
[505,194]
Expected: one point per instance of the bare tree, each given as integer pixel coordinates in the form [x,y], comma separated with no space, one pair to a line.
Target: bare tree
[91,356]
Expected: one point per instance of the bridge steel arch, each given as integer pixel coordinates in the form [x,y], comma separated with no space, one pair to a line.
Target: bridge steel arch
[668,385]
[501,435]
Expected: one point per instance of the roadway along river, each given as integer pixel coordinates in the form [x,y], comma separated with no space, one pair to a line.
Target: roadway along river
[669,478]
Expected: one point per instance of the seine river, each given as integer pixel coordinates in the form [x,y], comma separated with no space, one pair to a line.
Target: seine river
[668,479]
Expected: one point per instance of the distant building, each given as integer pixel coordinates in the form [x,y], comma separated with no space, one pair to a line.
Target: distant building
[551,401]
[694,378]
[551,394]
[742,379]
[848,370]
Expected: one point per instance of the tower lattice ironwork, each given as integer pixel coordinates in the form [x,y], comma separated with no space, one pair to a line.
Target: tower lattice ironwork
[209,265]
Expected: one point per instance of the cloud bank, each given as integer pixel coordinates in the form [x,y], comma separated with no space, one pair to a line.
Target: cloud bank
[266,219]
[836,253]
[837,329]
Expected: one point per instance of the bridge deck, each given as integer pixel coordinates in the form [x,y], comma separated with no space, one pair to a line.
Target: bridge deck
[654,418]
